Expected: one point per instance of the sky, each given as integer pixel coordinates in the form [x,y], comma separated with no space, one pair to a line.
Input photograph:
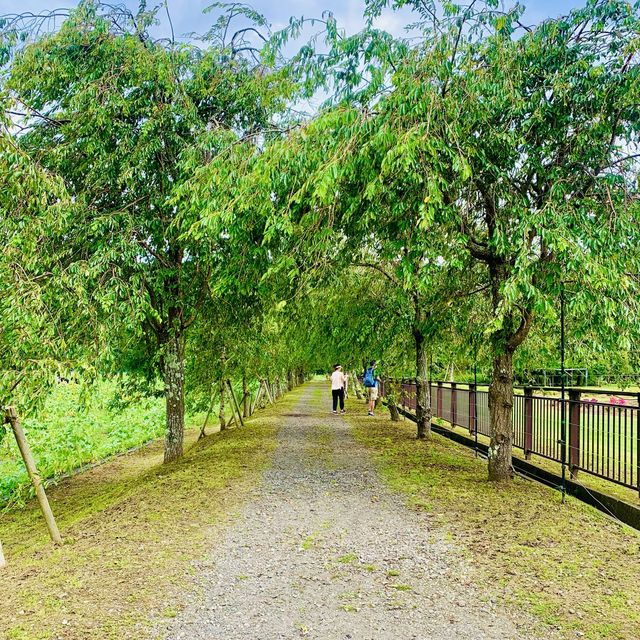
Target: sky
[187,14]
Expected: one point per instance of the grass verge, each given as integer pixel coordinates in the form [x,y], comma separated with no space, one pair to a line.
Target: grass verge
[570,566]
[132,529]
[585,479]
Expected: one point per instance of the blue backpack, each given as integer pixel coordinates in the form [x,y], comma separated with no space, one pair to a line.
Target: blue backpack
[369,379]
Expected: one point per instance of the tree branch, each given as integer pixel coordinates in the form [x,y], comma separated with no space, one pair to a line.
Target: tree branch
[378,268]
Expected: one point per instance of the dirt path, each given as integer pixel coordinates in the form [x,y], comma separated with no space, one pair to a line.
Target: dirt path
[325,551]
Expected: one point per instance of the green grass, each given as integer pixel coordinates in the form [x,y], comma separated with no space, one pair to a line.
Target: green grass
[569,565]
[132,528]
[586,479]
[609,442]
[70,431]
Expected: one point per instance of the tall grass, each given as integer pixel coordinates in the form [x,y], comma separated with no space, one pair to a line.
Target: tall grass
[71,430]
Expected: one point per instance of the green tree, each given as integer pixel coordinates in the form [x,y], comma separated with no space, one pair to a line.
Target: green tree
[533,175]
[36,296]
[123,118]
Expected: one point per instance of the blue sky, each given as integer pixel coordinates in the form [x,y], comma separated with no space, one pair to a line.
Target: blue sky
[187,14]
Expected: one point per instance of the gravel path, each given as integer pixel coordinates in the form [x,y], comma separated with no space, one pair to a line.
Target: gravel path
[325,551]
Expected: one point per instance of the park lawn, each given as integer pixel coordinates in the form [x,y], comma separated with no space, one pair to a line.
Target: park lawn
[569,565]
[132,528]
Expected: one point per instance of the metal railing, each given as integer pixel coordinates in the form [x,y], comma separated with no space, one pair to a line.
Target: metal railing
[603,436]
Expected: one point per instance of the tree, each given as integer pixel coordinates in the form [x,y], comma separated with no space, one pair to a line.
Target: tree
[35,286]
[122,118]
[534,174]
[530,181]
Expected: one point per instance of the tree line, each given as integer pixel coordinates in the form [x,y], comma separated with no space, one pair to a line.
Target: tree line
[168,211]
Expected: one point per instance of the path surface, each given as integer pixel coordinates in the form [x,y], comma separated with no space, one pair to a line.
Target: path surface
[325,551]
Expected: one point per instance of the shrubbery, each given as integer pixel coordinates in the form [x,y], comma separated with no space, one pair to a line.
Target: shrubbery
[71,430]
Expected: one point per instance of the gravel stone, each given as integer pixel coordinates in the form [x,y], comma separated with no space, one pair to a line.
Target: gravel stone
[324,550]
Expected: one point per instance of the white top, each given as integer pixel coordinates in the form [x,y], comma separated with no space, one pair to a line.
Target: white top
[337,380]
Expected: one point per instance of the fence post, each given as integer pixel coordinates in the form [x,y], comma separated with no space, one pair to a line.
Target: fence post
[439,405]
[574,431]
[638,445]
[472,408]
[528,422]
[402,393]
[454,403]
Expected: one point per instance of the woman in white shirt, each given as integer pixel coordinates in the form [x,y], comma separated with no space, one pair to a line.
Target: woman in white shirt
[338,380]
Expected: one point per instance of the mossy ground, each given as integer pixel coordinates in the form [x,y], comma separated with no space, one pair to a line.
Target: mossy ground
[569,565]
[132,529]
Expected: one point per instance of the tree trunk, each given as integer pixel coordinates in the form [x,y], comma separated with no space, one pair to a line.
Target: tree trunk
[423,390]
[246,402]
[356,386]
[391,395]
[500,412]
[221,412]
[393,410]
[174,395]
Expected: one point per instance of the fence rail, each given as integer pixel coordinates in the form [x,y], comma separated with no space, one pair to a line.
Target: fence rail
[603,436]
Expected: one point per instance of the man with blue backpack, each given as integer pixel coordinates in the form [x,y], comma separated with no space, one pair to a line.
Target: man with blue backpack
[371,382]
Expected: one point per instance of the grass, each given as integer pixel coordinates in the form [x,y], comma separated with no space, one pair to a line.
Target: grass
[586,479]
[568,565]
[607,440]
[132,529]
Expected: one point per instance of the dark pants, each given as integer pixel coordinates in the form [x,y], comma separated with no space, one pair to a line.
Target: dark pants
[338,393]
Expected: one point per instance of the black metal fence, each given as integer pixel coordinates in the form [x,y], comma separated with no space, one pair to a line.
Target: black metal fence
[602,428]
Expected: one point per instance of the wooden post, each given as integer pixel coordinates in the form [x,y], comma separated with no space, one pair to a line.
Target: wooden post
[267,387]
[234,402]
[439,400]
[246,398]
[637,443]
[3,562]
[574,431]
[11,417]
[528,422]
[257,399]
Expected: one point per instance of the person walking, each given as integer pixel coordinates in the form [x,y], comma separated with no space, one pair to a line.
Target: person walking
[371,382]
[337,388]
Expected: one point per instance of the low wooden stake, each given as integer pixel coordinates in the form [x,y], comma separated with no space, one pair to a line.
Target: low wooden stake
[234,402]
[3,562]
[257,399]
[11,417]
[267,387]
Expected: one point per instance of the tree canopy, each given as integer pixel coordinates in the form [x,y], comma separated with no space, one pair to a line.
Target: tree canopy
[457,181]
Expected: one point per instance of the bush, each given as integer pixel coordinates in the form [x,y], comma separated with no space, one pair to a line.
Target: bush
[71,430]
